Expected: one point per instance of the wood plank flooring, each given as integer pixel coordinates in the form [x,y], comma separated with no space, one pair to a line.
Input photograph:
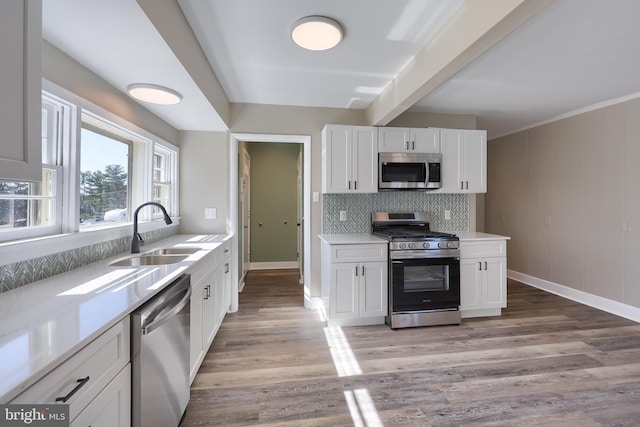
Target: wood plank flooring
[546,361]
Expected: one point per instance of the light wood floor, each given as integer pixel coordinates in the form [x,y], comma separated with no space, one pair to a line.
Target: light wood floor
[546,362]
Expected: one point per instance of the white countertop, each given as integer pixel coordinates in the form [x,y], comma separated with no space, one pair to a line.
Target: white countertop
[477,235]
[45,322]
[351,239]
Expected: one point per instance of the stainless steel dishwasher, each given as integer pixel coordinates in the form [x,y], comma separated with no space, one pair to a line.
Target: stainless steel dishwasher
[160,332]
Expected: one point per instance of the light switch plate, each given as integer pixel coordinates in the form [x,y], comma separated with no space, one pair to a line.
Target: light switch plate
[210,213]
[343,215]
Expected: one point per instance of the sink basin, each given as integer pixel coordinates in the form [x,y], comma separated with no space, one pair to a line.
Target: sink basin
[148,260]
[174,251]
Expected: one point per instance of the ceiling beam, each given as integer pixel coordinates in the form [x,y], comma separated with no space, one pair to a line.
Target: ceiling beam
[167,17]
[475,28]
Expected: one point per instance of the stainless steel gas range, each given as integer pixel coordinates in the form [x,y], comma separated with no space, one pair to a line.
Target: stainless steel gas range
[424,270]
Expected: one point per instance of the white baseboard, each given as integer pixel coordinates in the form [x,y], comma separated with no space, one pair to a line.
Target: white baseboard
[614,307]
[273,265]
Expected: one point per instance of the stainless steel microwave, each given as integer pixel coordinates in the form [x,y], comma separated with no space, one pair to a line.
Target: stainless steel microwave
[409,171]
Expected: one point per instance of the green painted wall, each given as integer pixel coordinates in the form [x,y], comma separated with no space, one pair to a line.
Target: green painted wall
[273,201]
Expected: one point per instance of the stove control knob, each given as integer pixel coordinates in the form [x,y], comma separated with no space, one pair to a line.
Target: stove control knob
[451,245]
[402,245]
[425,245]
[442,245]
[412,245]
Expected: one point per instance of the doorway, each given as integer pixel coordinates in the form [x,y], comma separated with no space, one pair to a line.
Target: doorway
[271,212]
[234,195]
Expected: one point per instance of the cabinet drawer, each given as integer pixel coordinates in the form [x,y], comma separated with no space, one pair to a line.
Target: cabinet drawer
[358,253]
[112,407]
[491,248]
[100,361]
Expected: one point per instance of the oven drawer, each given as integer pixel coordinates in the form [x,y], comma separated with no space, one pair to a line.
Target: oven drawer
[485,248]
[359,253]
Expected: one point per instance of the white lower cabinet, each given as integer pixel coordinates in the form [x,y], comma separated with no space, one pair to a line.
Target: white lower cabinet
[354,292]
[210,301]
[203,318]
[95,382]
[112,407]
[483,278]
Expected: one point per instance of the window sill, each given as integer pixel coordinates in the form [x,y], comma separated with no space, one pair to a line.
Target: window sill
[21,250]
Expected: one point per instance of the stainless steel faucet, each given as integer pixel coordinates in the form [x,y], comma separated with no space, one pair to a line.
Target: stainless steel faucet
[137,239]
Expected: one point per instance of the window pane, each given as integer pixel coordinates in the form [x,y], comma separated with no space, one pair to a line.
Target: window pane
[104,178]
[159,168]
[27,204]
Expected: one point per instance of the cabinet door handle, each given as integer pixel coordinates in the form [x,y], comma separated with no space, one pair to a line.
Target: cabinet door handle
[81,383]
[356,270]
[480,265]
[363,271]
[467,183]
[462,185]
[485,265]
[413,145]
[226,268]
[355,185]
[406,144]
[208,292]
[349,186]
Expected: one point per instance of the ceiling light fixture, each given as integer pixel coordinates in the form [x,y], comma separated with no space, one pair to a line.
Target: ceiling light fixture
[154,94]
[316,33]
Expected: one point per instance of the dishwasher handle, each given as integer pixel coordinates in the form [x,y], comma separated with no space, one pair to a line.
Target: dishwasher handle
[153,322]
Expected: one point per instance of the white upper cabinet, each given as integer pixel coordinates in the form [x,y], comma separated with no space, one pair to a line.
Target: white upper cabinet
[416,140]
[21,88]
[464,161]
[349,159]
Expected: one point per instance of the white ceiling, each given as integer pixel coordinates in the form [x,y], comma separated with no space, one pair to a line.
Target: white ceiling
[572,54]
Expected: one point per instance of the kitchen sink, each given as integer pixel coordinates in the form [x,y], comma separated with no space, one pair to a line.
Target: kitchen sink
[174,251]
[148,260]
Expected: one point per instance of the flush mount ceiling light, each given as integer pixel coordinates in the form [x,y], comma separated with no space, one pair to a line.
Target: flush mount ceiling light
[154,94]
[316,33]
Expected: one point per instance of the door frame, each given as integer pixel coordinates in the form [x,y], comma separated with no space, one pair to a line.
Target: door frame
[246,215]
[305,140]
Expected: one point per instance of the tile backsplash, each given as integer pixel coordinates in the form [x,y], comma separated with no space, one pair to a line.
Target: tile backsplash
[360,206]
[20,273]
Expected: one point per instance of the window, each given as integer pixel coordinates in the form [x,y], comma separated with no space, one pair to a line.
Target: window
[96,169]
[29,209]
[28,204]
[164,177]
[104,177]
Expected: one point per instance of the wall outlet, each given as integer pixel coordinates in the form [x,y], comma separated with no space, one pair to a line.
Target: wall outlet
[316,196]
[210,213]
[343,215]
[447,214]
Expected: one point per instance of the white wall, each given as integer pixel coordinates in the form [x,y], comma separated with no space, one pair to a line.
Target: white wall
[204,181]
[567,194]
